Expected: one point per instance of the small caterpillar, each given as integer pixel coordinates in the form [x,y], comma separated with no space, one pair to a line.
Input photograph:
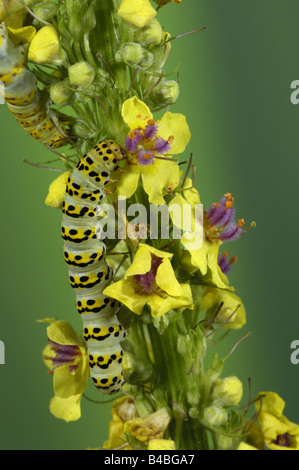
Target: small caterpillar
[88,271]
[24,100]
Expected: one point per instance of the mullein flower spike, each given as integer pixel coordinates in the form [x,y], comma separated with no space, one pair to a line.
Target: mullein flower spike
[103,64]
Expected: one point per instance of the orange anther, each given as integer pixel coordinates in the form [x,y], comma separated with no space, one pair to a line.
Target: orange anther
[132,135]
[170,139]
[233,259]
[146,156]
[228,196]
[216,204]
[241,222]
[151,122]
[228,205]
[225,254]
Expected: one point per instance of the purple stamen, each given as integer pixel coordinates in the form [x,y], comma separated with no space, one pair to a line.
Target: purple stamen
[231,232]
[219,214]
[131,144]
[145,157]
[161,146]
[224,264]
[150,131]
[64,354]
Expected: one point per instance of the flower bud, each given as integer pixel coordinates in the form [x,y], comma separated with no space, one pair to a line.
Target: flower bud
[57,191]
[150,34]
[45,10]
[229,390]
[138,13]
[224,442]
[101,78]
[147,60]
[194,413]
[165,94]
[215,416]
[130,52]
[161,52]
[81,129]
[60,93]
[81,74]
[232,312]
[45,47]
[127,411]
[16,19]
[81,19]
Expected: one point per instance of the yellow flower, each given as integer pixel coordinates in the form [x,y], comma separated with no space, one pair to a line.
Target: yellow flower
[45,47]
[279,432]
[161,444]
[67,359]
[244,446]
[16,19]
[218,226]
[149,427]
[148,141]
[56,193]
[151,280]
[136,12]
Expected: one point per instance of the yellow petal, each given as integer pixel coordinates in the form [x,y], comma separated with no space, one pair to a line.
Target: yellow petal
[136,12]
[166,280]
[68,409]
[135,113]
[190,193]
[271,403]
[175,125]
[159,306]
[156,252]
[66,384]
[124,292]
[48,353]
[244,446]
[45,46]
[143,260]
[159,177]
[161,444]
[23,35]
[62,332]
[128,183]
[57,189]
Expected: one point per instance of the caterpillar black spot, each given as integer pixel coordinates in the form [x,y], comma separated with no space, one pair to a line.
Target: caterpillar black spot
[24,100]
[88,271]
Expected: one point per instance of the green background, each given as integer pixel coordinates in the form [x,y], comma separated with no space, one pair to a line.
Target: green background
[235,91]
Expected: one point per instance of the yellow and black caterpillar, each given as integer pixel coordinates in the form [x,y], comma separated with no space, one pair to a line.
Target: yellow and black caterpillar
[24,100]
[88,272]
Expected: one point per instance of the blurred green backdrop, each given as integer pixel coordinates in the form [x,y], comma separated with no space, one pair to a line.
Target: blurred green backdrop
[235,91]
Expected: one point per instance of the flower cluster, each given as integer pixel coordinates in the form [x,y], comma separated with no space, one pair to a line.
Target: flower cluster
[101,66]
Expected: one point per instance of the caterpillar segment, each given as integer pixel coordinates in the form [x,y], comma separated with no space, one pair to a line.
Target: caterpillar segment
[24,100]
[88,272]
